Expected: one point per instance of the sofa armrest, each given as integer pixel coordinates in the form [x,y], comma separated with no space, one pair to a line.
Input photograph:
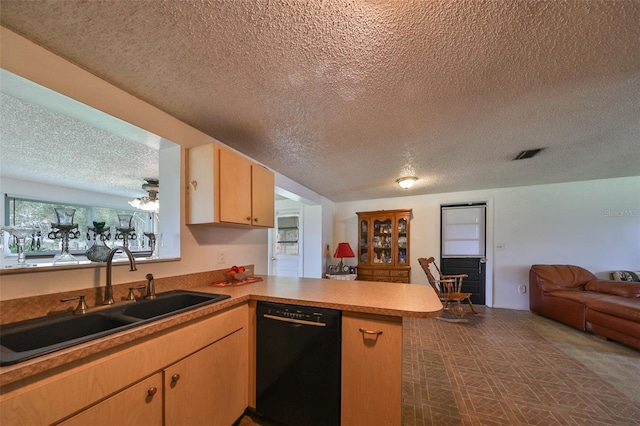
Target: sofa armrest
[560,277]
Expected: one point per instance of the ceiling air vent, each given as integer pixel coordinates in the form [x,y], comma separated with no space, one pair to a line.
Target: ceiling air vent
[523,155]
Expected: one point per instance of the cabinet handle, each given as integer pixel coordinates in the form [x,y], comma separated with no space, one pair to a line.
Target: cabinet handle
[365,331]
[175,378]
[255,219]
[194,183]
[152,391]
[249,218]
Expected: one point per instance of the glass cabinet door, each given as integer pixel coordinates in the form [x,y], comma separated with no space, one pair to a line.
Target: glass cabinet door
[402,241]
[382,241]
[363,245]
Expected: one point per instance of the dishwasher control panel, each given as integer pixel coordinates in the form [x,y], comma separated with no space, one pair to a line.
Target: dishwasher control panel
[294,312]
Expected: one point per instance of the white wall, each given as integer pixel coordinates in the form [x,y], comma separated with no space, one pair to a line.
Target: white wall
[592,224]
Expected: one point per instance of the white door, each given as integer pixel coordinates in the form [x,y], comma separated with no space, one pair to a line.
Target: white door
[287,243]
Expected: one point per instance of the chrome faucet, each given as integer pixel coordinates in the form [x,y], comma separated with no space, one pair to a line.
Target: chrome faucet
[108,290]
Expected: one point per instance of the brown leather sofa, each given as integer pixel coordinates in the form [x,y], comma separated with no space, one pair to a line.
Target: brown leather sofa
[574,296]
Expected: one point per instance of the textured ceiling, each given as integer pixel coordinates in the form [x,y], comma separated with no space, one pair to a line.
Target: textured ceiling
[345,96]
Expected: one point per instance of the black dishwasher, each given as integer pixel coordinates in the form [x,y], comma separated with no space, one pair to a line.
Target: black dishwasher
[298,364]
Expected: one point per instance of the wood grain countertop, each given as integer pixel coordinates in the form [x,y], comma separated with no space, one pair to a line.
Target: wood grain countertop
[391,299]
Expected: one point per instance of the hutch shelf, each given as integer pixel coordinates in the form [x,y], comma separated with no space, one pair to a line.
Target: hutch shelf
[383,246]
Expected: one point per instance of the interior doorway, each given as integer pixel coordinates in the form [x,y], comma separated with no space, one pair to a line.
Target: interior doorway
[287,243]
[283,260]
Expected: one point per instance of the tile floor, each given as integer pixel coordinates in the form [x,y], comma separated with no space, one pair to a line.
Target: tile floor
[506,367]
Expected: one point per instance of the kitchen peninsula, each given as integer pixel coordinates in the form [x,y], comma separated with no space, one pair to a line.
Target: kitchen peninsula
[219,338]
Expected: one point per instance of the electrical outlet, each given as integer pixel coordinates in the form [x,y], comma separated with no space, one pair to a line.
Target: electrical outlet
[221,257]
[522,289]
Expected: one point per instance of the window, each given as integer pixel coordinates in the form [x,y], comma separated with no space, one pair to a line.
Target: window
[20,211]
[463,230]
[287,235]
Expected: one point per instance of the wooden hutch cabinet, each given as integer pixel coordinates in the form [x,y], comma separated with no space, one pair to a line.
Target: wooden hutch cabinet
[383,246]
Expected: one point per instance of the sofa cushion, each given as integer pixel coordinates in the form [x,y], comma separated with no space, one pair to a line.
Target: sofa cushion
[561,277]
[618,288]
[621,307]
[578,296]
[632,276]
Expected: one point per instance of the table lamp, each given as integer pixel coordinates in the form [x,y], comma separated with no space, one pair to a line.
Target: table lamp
[343,250]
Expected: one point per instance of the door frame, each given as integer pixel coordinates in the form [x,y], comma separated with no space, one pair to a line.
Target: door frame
[489,241]
[299,211]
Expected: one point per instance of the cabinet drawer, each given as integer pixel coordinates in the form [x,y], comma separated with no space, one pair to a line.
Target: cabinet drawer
[365,277]
[133,406]
[381,273]
[363,271]
[403,274]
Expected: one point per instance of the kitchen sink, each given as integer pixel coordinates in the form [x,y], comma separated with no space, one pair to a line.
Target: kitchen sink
[27,339]
[170,303]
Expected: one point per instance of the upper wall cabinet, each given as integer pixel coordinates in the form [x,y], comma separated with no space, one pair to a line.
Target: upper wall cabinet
[227,188]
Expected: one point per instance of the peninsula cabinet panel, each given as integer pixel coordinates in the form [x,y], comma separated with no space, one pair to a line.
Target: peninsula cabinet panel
[141,404]
[383,246]
[226,188]
[209,387]
[371,370]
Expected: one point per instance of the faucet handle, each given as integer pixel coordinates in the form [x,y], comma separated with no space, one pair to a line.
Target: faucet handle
[151,287]
[131,296]
[82,306]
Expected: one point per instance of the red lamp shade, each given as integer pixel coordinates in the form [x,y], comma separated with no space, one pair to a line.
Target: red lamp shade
[344,250]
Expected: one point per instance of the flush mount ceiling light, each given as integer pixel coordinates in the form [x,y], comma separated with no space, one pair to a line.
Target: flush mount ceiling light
[407,182]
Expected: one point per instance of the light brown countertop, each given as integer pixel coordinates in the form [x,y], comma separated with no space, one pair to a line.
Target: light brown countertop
[391,299]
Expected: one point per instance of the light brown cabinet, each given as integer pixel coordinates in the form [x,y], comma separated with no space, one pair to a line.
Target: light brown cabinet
[113,388]
[383,245]
[209,387]
[225,187]
[371,370]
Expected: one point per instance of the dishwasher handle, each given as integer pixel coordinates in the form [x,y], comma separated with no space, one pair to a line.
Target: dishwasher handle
[294,321]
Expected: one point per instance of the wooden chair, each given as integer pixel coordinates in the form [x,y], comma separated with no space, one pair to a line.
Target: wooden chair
[448,288]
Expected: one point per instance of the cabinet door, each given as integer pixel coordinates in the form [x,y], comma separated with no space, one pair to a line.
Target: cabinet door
[371,370]
[262,196]
[383,241]
[234,187]
[211,386]
[140,404]
[402,239]
[201,193]
[364,234]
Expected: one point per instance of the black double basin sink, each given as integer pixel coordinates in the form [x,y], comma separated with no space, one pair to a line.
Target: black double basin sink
[27,339]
